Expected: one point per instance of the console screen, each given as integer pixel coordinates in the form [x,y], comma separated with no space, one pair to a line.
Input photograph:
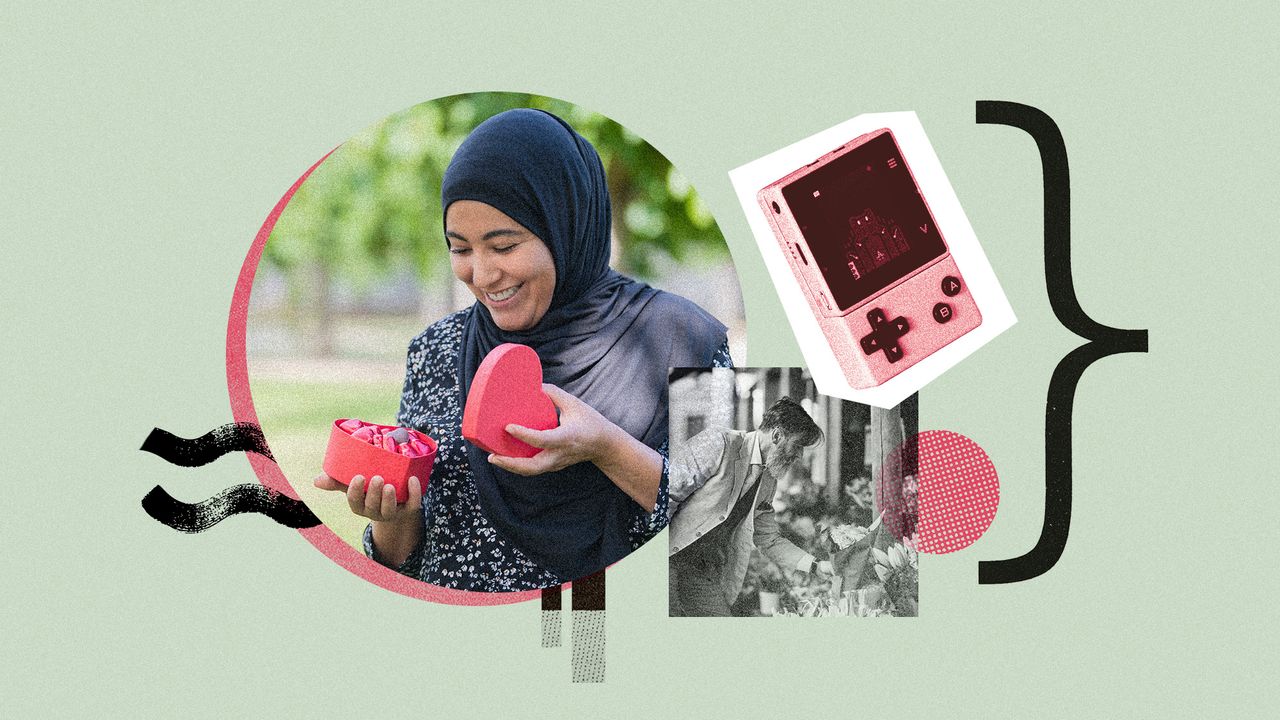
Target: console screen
[865,223]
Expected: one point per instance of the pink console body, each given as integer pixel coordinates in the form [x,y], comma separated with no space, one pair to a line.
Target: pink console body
[880,282]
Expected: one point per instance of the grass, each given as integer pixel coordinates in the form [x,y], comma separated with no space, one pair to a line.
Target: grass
[296,417]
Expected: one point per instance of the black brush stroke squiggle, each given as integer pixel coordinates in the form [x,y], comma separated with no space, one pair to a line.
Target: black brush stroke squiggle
[247,498]
[233,437]
[1103,341]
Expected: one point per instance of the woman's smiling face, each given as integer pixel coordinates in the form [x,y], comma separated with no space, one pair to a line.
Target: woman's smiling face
[505,266]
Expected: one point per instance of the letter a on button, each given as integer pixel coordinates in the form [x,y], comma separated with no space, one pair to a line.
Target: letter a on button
[951,286]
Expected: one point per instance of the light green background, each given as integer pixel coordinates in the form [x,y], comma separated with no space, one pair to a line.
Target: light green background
[143,147]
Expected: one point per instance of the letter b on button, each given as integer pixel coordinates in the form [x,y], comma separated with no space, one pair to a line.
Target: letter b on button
[942,313]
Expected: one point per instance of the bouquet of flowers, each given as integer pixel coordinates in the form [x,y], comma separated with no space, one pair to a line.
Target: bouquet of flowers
[898,571]
[876,575]
[844,536]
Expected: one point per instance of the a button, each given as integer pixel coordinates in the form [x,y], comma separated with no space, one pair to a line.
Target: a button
[722,518]
[884,335]
[942,313]
[951,286]
[698,534]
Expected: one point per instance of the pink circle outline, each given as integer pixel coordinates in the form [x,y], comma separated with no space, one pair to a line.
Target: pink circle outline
[270,475]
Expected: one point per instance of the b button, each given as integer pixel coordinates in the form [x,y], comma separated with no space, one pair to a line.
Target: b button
[950,287]
[942,313]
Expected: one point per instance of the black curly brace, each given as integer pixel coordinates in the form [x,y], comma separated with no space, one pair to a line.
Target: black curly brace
[1103,341]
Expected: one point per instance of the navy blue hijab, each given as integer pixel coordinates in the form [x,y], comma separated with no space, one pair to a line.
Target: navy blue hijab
[606,339]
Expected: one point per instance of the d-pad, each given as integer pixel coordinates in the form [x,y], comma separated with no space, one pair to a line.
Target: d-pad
[884,335]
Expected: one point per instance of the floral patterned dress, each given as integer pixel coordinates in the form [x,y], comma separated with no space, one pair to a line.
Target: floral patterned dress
[460,549]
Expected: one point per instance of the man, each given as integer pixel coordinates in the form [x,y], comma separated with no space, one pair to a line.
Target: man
[721,487]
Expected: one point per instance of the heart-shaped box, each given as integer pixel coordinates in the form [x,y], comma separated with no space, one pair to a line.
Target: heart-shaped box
[348,456]
[506,390]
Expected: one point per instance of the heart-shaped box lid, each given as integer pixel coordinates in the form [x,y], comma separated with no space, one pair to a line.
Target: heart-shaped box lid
[507,389]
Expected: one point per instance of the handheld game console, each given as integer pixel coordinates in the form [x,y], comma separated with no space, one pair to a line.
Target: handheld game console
[869,257]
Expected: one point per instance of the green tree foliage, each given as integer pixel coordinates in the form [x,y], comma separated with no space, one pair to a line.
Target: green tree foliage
[374,204]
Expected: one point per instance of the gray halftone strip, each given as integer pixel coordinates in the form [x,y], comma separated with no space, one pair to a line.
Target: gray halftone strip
[551,628]
[588,646]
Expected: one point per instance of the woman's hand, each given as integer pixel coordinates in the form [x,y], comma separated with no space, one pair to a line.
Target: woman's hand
[379,502]
[581,437]
[397,527]
[585,435]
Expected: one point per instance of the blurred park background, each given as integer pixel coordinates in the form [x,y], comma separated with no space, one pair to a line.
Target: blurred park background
[356,266]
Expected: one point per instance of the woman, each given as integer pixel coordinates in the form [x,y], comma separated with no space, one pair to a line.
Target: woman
[527,222]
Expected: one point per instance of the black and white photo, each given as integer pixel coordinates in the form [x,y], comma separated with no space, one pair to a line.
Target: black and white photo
[785,502]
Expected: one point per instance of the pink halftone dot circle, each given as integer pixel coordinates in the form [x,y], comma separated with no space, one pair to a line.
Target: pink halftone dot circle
[896,490]
[959,492]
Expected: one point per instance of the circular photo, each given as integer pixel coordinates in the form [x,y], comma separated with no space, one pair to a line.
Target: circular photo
[459,335]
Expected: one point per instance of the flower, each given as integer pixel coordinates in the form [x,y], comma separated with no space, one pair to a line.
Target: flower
[845,535]
[897,556]
[897,569]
